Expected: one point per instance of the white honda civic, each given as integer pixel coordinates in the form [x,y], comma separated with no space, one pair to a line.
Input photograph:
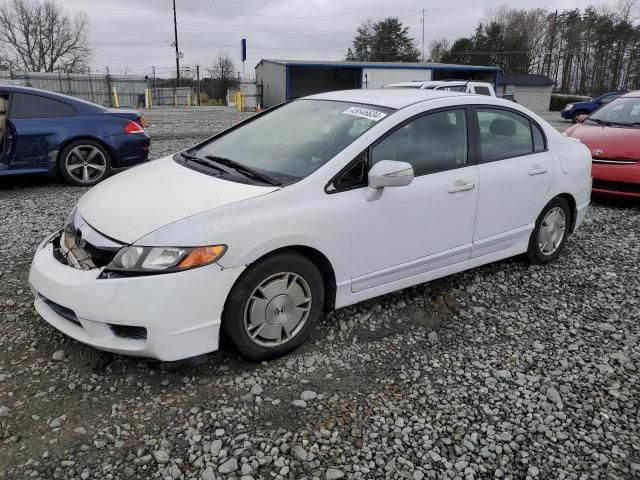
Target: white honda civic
[317,204]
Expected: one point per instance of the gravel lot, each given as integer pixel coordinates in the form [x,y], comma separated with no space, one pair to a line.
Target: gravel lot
[506,371]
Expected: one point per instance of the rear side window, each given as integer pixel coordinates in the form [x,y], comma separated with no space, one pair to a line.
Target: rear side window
[483,91]
[34,106]
[506,134]
[538,139]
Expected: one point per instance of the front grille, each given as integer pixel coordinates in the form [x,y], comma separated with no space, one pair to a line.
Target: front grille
[64,312]
[616,186]
[126,331]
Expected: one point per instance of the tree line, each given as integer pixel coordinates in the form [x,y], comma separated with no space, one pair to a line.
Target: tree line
[584,52]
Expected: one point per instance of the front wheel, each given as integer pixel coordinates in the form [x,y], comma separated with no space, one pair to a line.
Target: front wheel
[550,233]
[274,306]
[84,163]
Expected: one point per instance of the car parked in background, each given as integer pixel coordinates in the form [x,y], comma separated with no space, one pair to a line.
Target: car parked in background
[612,134]
[48,133]
[479,88]
[317,204]
[573,110]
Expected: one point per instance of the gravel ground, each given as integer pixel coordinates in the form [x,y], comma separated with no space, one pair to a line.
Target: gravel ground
[505,371]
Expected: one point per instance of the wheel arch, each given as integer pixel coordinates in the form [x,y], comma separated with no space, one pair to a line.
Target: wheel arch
[572,208]
[320,260]
[69,141]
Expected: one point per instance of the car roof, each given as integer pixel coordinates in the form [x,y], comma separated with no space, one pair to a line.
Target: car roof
[389,98]
[632,94]
[77,102]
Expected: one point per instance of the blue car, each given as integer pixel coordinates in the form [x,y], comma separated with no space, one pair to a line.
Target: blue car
[48,133]
[573,110]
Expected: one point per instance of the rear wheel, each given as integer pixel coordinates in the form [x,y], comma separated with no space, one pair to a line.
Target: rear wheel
[551,232]
[274,306]
[84,163]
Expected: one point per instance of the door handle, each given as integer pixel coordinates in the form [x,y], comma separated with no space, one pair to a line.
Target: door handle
[462,188]
[537,170]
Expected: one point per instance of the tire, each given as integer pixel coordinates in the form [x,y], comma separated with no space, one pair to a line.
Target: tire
[266,304]
[84,163]
[574,118]
[545,245]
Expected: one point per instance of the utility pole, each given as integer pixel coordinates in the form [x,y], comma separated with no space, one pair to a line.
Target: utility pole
[552,43]
[198,88]
[423,11]
[175,30]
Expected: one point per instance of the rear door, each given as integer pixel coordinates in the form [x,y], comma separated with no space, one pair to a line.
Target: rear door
[34,123]
[515,171]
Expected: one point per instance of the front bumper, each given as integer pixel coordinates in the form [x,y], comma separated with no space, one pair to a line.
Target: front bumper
[616,180]
[567,114]
[180,313]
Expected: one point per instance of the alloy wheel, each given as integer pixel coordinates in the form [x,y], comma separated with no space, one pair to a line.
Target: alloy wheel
[86,164]
[552,231]
[278,309]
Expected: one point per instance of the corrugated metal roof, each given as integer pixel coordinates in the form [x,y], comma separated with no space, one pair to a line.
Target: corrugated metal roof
[414,65]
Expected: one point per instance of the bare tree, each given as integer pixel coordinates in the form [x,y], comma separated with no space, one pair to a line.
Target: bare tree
[437,49]
[41,37]
[222,72]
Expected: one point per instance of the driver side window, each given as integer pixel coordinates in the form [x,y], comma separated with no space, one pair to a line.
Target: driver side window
[430,143]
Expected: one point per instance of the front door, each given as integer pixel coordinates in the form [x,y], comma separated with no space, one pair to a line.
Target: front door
[4,130]
[34,121]
[515,175]
[426,225]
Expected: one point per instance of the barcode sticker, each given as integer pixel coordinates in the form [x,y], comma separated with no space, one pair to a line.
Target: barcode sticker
[365,113]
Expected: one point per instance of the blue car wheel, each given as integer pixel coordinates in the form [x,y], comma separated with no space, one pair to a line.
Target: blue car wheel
[84,163]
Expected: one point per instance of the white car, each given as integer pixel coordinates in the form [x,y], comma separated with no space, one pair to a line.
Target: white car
[317,204]
[480,88]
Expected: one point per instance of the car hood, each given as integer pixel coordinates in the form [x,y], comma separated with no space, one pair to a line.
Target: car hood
[615,143]
[139,201]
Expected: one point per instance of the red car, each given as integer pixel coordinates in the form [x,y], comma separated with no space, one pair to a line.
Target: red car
[613,136]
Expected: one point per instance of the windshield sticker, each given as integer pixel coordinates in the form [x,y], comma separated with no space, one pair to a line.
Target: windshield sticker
[365,113]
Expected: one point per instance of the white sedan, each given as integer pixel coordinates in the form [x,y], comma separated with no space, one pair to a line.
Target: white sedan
[317,204]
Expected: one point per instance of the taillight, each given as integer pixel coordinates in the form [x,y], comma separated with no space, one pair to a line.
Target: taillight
[133,127]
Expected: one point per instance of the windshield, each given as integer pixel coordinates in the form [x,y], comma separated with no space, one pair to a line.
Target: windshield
[620,112]
[293,141]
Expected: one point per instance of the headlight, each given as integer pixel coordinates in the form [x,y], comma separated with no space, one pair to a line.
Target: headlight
[164,259]
[569,106]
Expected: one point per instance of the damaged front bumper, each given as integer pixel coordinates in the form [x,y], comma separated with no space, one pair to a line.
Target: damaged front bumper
[167,317]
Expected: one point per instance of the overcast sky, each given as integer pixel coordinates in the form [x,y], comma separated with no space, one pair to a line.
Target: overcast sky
[136,35]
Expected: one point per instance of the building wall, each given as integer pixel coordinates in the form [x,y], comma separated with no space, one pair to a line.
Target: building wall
[537,99]
[272,77]
[378,77]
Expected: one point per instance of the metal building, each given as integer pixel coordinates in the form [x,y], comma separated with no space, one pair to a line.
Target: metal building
[531,90]
[282,80]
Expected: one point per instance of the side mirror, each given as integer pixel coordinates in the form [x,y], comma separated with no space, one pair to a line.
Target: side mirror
[581,118]
[388,173]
